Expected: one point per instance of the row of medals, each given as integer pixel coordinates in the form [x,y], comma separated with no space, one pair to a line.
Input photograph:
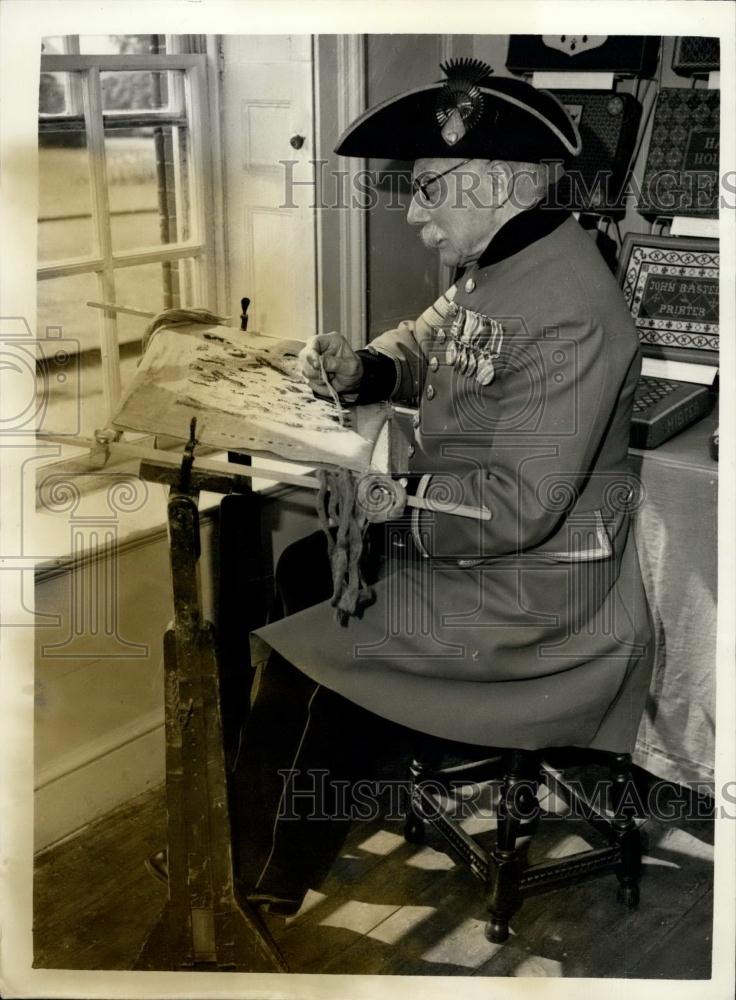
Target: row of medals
[475,340]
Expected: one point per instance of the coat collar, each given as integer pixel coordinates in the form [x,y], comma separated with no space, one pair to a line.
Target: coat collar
[521,231]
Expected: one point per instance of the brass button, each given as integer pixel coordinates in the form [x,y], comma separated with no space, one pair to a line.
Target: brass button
[470,285]
[415,421]
[430,392]
[434,364]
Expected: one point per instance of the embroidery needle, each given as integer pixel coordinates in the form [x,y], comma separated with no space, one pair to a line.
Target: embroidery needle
[333,394]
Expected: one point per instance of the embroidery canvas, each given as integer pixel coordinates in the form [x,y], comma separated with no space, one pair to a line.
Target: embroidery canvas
[247,394]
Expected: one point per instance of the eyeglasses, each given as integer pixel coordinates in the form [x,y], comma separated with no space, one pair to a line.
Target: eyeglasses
[420,185]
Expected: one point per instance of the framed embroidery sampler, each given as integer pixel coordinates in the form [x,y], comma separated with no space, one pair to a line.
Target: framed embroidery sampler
[670,284]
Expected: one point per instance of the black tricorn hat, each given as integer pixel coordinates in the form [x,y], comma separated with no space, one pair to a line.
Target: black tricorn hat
[471,115]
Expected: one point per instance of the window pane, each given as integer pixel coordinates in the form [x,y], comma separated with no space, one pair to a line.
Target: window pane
[61,303]
[60,97]
[56,45]
[147,173]
[72,388]
[52,94]
[153,287]
[69,370]
[134,90]
[128,44]
[65,227]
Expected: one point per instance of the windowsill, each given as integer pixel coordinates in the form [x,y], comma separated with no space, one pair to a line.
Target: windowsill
[100,518]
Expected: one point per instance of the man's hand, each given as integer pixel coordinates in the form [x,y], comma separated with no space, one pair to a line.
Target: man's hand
[341,364]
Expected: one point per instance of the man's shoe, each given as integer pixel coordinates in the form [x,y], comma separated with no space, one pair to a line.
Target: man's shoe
[266,902]
[280,906]
[158,866]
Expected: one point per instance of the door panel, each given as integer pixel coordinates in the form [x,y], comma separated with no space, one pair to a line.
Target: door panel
[268,100]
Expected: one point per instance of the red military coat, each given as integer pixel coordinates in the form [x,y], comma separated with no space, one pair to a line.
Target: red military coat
[530,629]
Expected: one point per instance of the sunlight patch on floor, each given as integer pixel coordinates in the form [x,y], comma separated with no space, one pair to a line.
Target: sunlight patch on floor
[430,860]
[401,923]
[474,826]
[570,844]
[551,802]
[382,842]
[311,900]
[465,945]
[647,859]
[682,842]
[536,965]
[357,916]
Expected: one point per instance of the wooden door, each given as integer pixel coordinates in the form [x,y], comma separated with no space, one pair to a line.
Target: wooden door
[269,119]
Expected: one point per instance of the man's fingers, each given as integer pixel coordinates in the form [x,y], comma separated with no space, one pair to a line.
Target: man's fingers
[310,362]
[326,349]
[309,359]
[313,370]
[328,356]
[319,388]
[330,362]
[327,344]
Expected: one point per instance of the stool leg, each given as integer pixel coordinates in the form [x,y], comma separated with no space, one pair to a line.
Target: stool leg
[414,824]
[518,802]
[626,830]
[422,766]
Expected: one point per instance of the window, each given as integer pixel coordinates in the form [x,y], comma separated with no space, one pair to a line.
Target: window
[124,208]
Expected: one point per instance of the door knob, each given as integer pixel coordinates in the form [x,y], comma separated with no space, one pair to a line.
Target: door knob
[297,141]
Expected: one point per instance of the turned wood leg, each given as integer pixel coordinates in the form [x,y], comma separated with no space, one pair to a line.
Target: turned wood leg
[623,799]
[422,766]
[517,803]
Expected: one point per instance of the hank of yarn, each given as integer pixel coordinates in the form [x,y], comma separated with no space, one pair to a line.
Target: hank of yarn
[180,317]
[341,514]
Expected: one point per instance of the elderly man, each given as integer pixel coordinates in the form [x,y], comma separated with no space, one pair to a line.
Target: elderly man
[526,626]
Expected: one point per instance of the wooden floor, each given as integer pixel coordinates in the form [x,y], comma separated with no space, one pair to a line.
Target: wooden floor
[391,908]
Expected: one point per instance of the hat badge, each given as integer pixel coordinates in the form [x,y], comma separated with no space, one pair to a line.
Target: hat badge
[460,102]
[454,128]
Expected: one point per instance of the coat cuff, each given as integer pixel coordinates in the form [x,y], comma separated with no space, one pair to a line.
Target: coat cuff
[381,376]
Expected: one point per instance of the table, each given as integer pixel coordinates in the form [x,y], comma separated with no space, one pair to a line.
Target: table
[676,533]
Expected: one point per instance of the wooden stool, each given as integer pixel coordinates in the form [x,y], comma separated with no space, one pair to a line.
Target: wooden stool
[503,871]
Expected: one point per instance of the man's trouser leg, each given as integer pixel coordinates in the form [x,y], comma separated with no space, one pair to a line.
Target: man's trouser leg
[302,751]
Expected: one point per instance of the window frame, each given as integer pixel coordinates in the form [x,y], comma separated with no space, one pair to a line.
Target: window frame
[200,248]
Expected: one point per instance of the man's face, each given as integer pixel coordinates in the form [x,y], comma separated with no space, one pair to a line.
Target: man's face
[456,211]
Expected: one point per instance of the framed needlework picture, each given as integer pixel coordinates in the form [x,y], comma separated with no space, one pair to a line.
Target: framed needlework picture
[670,284]
[681,173]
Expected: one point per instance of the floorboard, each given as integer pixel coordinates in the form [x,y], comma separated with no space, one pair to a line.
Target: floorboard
[93,900]
[684,952]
